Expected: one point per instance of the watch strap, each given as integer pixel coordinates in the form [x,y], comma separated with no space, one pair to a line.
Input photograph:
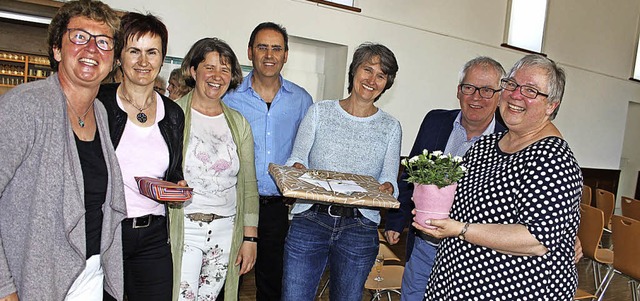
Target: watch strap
[463,231]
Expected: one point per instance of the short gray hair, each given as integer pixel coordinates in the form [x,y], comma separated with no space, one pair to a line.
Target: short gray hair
[483,61]
[556,77]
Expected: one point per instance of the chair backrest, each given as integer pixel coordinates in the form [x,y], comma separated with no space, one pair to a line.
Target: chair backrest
[631,208]
[626,243]
[586,195]
[605,201]
[590,230]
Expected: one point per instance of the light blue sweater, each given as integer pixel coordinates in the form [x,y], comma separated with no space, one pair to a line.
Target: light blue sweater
[329,138]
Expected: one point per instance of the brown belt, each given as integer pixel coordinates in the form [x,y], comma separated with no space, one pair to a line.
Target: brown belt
[203,217]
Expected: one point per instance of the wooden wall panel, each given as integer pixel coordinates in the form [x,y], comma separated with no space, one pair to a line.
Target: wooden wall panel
[23,37]
[606,179]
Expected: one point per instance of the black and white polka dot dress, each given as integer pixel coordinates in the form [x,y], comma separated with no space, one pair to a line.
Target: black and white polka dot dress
[538,187]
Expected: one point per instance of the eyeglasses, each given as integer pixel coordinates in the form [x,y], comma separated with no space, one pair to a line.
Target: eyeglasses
[485,92]
[81,37]
[525,90]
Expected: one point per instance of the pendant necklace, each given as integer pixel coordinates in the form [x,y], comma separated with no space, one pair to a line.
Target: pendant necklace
[141,116]
[80,119]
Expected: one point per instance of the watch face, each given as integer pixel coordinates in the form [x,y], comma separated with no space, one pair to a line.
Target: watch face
[461,236]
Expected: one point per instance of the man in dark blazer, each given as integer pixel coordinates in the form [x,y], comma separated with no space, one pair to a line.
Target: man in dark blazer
[450,131]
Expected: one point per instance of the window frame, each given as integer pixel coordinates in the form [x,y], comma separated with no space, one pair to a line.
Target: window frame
[507,30]
[337,5]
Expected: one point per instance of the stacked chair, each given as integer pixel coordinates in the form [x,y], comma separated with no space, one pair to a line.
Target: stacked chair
[586,195]
[631,208]
[606,201]
[626,243]
[592,223]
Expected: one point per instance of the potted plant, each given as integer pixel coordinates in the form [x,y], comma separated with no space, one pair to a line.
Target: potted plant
[435,177]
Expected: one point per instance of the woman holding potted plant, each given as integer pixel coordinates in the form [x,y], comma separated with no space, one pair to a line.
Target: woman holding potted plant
[350,135]
[435,177]
[514,220]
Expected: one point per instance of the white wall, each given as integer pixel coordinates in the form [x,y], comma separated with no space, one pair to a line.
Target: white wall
[630,161]
[593,40]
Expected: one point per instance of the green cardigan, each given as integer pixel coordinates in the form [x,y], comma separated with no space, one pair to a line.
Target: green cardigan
[246,202]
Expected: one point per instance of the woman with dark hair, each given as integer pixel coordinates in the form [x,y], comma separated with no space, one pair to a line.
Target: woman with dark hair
[354,136]
[146,131]
[61,198]
[220,221]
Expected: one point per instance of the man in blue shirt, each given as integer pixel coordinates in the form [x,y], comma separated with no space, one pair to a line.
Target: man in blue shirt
[450,131]
[274,108]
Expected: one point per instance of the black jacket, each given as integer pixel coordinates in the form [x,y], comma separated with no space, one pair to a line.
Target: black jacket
[171,128]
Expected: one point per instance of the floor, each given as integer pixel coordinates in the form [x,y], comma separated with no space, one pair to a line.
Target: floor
[617,291]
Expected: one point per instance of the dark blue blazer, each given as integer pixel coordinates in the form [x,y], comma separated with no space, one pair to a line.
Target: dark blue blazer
[433,135]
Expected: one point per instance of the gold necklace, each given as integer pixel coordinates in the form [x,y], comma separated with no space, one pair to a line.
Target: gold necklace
[80,119]
[141,116]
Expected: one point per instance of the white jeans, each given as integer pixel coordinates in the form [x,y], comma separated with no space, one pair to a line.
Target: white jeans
[89,285]
[205,258]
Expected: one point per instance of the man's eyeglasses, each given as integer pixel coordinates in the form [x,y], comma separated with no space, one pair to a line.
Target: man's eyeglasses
[526,90]
[81,37]
[485,92]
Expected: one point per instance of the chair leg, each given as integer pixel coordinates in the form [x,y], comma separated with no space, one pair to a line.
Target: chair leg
[634,289]
[324,288]
[375,296]
[597,277]
[378,294]
[602,288]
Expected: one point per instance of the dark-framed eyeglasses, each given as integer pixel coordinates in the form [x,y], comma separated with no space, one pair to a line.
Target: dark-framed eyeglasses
[81,37]
[526,90]
[485,92]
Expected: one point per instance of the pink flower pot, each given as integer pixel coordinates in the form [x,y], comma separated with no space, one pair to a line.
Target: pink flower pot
[432,202]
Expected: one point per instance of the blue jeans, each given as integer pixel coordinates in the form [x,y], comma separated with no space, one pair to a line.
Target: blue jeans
[417,270]
[349,246]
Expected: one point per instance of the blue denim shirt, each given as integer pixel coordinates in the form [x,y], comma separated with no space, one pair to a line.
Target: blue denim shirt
[274,129]
[458,145]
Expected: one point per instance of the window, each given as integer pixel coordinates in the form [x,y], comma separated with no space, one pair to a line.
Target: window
[636,68]
[343,4]
[526,24]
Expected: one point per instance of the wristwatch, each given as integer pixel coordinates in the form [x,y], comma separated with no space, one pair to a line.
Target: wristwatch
[464,231]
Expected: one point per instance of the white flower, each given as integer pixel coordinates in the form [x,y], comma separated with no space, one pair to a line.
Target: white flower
[444,156]
[457,159]
[425,152]
[464,169]
[404,162]
[413,159]
[436,153]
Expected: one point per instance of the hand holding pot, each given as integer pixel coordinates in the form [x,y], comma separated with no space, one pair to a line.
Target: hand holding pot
[439,228]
